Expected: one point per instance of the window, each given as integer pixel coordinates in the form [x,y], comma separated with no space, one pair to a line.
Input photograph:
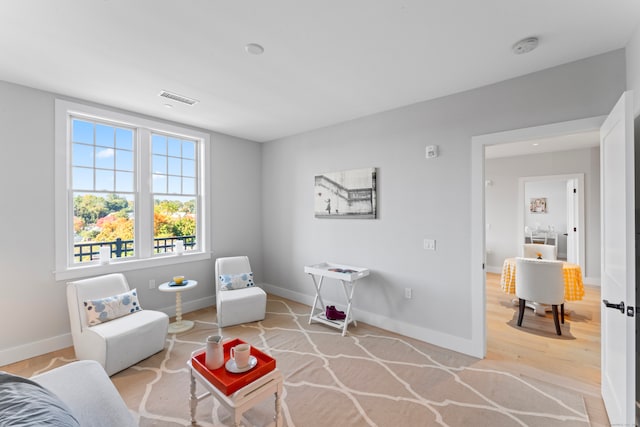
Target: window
[174,188]
[130,192]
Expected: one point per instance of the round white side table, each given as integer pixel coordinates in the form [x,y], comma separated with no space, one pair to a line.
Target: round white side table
[179,325]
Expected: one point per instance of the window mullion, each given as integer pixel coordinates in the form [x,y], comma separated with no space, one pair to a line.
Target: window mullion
[144,202]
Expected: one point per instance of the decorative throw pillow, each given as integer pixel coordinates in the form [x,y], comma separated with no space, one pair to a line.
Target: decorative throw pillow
[109,308]
[26,403]
[229,282]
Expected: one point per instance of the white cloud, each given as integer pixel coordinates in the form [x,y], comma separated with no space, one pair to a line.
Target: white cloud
[106,153]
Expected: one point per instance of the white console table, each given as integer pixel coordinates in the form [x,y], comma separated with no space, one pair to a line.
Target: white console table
[345,274]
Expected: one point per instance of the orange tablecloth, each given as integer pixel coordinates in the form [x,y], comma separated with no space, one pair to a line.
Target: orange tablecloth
[573,286]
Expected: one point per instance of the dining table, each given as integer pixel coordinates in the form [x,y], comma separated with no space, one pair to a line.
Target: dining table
[573,284]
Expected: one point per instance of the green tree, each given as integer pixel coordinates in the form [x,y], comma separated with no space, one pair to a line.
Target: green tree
[189,206]
[167,207]
[115,203]
[89,207]
[185,226]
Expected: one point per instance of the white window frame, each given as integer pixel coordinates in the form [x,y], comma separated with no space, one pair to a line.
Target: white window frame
[65,266]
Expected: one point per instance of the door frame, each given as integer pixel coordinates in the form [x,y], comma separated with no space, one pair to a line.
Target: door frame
[478,144]
[579,177]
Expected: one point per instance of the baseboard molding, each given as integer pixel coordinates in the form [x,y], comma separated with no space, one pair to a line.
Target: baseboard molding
[189,306]
[450,342]
[36,348]
[47,345]
[593,281]
[493,269]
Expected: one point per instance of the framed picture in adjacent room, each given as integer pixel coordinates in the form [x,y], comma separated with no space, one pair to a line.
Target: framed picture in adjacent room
[346,194]
[538,205]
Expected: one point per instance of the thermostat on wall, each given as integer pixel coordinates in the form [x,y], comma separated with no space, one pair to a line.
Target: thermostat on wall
[432,151]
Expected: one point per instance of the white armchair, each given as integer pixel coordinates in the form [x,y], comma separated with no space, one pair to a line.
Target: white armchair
[235,306]
[531,250]
[540,281]
[118,343]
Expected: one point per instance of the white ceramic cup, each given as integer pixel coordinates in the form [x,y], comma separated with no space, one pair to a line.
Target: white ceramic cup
[240,354]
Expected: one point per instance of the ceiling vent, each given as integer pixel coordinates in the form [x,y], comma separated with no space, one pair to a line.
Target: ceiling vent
[178,98]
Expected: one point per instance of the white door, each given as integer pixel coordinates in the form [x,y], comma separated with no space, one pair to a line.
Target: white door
[572,221]
[618,263]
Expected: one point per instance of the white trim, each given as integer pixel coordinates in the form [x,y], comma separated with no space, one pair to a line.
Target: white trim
[451,342]
[478,143]
[36,348]
[64,267]
[47,345]
[120,266]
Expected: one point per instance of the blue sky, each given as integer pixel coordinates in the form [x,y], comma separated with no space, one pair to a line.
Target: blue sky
[106,153]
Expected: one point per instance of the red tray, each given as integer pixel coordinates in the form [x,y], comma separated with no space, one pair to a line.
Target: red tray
[226,381]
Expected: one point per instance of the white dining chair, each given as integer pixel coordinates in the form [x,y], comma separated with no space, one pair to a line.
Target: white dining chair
[541,281]
[548,252]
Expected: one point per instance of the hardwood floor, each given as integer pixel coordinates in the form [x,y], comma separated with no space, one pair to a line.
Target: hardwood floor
[574,355]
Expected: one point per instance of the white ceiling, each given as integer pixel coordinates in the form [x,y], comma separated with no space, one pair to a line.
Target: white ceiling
[325,62]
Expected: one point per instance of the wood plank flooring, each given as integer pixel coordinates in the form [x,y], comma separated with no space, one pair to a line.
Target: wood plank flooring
[574,355]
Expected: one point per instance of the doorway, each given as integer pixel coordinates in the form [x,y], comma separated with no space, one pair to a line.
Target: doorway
[479,226]
[562,221]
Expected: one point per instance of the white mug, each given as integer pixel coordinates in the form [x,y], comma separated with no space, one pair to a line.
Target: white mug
[240,354]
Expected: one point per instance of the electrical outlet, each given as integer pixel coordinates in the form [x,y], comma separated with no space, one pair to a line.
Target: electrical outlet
[430,244]
[407,293]
[152,284]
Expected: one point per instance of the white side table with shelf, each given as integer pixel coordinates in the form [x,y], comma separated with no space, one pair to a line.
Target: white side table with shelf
[345,274]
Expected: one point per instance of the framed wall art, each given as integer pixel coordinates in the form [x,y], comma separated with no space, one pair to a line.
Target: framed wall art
[538,205]
[346,194]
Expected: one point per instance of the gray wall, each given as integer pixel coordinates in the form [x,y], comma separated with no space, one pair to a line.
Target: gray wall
[502,200]
[33,308]
[418,198]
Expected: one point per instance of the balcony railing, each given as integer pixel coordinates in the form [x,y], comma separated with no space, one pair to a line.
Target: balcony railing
[123,248]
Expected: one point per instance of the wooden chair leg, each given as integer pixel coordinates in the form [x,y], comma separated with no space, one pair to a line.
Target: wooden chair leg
[562,313]
[521,311]
[555,319]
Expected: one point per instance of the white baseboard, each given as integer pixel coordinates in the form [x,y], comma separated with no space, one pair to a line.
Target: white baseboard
[33,349]
[189,306]
[493,269]
[440,339]
[47,345]
[593,281]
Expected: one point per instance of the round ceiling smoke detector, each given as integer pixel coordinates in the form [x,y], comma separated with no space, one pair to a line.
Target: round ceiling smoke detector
[254,49]
[525,45]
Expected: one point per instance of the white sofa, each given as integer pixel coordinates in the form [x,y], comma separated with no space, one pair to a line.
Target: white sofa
[84,389]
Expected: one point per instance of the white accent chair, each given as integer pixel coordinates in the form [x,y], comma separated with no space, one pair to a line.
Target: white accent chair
[118,343]
[239,305]
[541,281]
[531,250]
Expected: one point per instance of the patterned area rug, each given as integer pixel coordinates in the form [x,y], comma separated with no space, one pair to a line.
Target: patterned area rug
[368,378]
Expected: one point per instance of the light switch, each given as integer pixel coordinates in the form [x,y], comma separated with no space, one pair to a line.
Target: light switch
[430,244]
